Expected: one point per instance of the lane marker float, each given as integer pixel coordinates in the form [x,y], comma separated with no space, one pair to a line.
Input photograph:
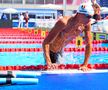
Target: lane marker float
[18,81]
[19,74]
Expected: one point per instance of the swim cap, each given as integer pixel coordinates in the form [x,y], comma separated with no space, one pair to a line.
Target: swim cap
[86,8]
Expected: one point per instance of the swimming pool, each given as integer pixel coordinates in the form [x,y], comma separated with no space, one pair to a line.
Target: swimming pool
[66,81]
[36,45]
[20,46]
[37,58]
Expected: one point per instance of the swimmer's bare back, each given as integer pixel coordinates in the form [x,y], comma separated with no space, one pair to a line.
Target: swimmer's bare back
[63,33]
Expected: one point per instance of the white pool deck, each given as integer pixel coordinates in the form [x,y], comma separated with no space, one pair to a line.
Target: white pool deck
[67,71]
[74,71]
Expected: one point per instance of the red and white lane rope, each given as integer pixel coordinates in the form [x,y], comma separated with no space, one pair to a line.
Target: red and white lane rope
[60,66]
[40,49]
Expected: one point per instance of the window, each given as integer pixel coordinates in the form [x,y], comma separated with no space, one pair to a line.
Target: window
[58,1]
[39,1]
[7,1]
[15,16]
[48,15]
[102,36]
[69,1]
[1,1]
[5,16]
[29,1]
[48,1]
[78,2]
[40,16]
[53,16]
[18,1]
[32,15]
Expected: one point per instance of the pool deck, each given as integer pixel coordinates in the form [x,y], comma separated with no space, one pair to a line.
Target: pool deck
[73,71]
[66,80]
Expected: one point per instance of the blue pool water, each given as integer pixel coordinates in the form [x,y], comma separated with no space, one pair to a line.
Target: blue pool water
[36,58]
[73,81]
[20,46]
[101,45]
[40,45]
[94,45]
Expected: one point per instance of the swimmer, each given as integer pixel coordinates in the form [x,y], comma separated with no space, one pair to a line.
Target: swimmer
[64,31]
[97,10]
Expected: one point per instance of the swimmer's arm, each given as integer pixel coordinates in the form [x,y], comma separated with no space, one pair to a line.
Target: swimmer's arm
[46,47]
[46,53]
[52,36]
[98,8]
[88,47]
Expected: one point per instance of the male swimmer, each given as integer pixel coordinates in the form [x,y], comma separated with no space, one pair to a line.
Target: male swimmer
[64,31]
